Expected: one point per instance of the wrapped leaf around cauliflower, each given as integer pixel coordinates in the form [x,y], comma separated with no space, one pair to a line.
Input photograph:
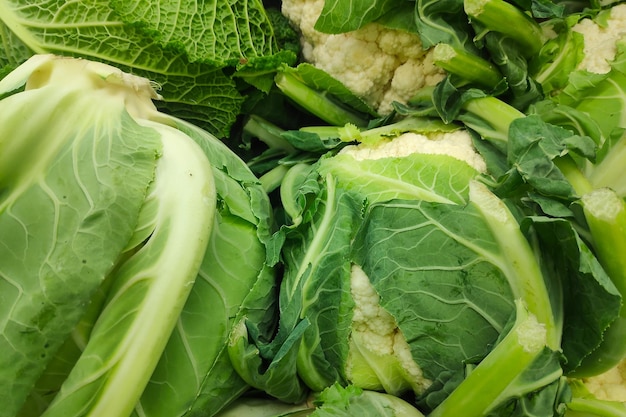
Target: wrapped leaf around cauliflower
[401,271]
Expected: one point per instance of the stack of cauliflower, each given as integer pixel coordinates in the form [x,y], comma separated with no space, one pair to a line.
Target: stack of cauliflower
[383,65]
[378,64]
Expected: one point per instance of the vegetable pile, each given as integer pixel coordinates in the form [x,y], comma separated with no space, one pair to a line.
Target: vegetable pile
[227,209]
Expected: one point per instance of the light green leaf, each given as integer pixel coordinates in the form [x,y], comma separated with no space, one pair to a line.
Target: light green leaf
[410,177]
[57,239]
[601,96]
[195,375]
[338,401]
[339,16]
[149,287]
[321,81]
[237,187]
[60,366]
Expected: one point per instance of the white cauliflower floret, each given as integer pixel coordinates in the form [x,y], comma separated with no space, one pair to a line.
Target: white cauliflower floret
[457,144]
[376,338]
[600,42]
[611,385]
[369,318]
[378,64]
[403,84]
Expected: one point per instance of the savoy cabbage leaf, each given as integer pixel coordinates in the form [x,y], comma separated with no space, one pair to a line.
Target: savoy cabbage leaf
[188,49]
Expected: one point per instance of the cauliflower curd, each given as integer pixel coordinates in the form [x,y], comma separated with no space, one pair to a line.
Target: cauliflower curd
[380,357]
[379,64]
[610,385]
[600,41]
[457,144]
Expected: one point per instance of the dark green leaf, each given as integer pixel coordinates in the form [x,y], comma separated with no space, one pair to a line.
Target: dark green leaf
[339,16]
[533,148]
[590,299]
[443,21]
[308,141]
[417,257]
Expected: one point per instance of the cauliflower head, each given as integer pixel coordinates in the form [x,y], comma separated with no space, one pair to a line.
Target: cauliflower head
[609,386]
[378,64]
[380,358]
[600,41]
[457,144]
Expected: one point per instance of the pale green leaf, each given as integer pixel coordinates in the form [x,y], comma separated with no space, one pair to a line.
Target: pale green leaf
[60,238]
